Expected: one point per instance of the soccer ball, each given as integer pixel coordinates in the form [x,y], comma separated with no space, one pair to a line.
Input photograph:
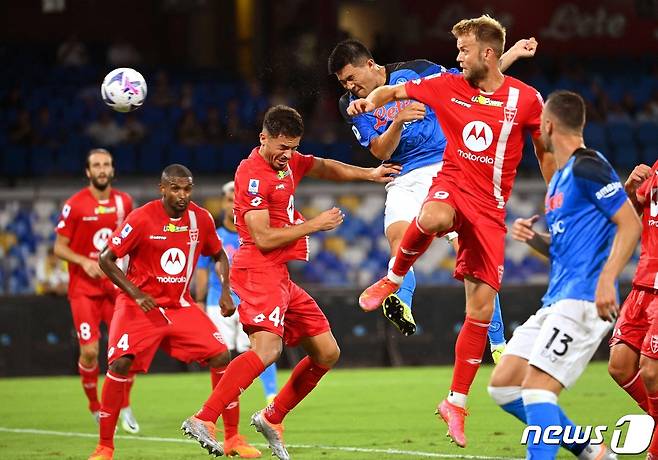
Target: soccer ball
[124,89]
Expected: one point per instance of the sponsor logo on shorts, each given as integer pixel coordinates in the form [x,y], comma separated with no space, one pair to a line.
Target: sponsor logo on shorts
[484,100]
[110,352]
[125,231]
[259,318]
[253,185]
[172,261]
[477,136]
[441,195]
[460,102]
[218,337]
[632,434]
[609,190]
[101,237]
[476,158]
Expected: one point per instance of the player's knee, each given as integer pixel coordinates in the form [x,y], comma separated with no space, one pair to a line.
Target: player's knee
[220,360]
[269,355]
[435,221]
[89,356]
[327,357]
[620,370]
[122,365]
[649,373]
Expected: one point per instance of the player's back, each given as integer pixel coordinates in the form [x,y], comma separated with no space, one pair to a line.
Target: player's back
[647,268]
[581,199]
[88,223]
[260,187]
[421,142]
[485,131]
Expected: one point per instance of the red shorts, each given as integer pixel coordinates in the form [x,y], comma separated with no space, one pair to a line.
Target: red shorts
[481,233]
[88,312]
[184,333]
[270,301]
[637,325]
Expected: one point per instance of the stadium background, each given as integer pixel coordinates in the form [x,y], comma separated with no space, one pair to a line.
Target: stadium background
[213,68]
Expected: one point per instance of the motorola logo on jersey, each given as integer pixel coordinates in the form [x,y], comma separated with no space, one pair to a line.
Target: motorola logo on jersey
[101,237]
[477,136]
[172,261]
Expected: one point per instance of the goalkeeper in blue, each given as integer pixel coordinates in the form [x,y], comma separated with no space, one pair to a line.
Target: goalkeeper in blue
[593,231]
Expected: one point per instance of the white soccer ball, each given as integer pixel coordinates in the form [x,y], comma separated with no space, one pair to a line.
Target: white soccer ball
[124,89]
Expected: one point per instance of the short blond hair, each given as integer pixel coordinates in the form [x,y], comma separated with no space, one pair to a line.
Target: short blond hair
[486,30]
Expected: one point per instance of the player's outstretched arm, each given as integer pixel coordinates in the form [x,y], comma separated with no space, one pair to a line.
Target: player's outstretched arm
[640,174]
[107,261]
[383,146]
[337,171]
[524,48]
[63,250]
[522,231]
[267,238]
[379,97]
[629,229]
[222,268]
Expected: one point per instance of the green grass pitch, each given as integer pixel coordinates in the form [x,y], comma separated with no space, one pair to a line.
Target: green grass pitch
[352,414]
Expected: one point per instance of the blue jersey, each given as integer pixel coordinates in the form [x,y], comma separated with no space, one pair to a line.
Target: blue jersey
[582,197]
[230,243]
[422,142]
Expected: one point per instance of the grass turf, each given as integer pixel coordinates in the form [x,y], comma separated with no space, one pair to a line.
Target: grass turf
[369,409]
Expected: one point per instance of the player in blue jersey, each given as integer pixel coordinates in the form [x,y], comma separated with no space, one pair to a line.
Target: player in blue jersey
[407,133]
[593,232]
[208,292]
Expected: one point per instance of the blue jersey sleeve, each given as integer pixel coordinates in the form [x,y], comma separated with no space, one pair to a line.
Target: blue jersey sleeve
[204,263]
[599,183]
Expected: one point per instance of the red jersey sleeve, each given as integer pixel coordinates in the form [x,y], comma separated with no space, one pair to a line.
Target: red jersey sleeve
[212,244]
[251,192]
[426,89]
[68,220]
[301,165]
[126,238]
[533,123]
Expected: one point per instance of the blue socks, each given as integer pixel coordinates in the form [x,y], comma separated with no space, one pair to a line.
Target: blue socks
[496,328]
[268,377]
[541,410]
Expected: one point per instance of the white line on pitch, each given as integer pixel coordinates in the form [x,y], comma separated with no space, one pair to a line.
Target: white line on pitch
[294,446]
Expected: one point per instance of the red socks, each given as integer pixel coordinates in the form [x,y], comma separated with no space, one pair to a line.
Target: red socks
[89,378]
[231,414]
[469,349]
[303,379]
[635,387]
[652,399]
[414,243]
[127,388]
[113,394]
[239,375]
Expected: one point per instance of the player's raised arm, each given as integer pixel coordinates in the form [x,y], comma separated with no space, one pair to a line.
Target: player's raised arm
[629,229]
[522,231]
[337,171]
[107,261]
[524,48]
[379,97]
[222,268]
[267,238]
[637,177]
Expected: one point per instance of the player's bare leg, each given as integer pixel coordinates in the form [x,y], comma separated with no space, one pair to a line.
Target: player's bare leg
[624,368]
[203,430]
[88,370]
[435,218]
[397,306]
[649,374]
[112,399]
[469,349]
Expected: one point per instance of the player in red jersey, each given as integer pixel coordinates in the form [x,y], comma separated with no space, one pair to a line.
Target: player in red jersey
[485,116]
[88,218]
[154,308]
[634,344]
[273,309]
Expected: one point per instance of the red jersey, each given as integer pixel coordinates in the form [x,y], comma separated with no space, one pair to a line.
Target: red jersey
[88,224]
[259,186]
[484,131]
[164,251]
[647,268]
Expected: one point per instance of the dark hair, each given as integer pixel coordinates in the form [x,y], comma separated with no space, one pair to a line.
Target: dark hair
[348,52]
[568,107]
[175,170]
[94,151]
[283,120]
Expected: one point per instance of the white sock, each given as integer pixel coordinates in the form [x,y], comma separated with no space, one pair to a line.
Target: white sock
[397,279]
[458,399]
[504,395]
